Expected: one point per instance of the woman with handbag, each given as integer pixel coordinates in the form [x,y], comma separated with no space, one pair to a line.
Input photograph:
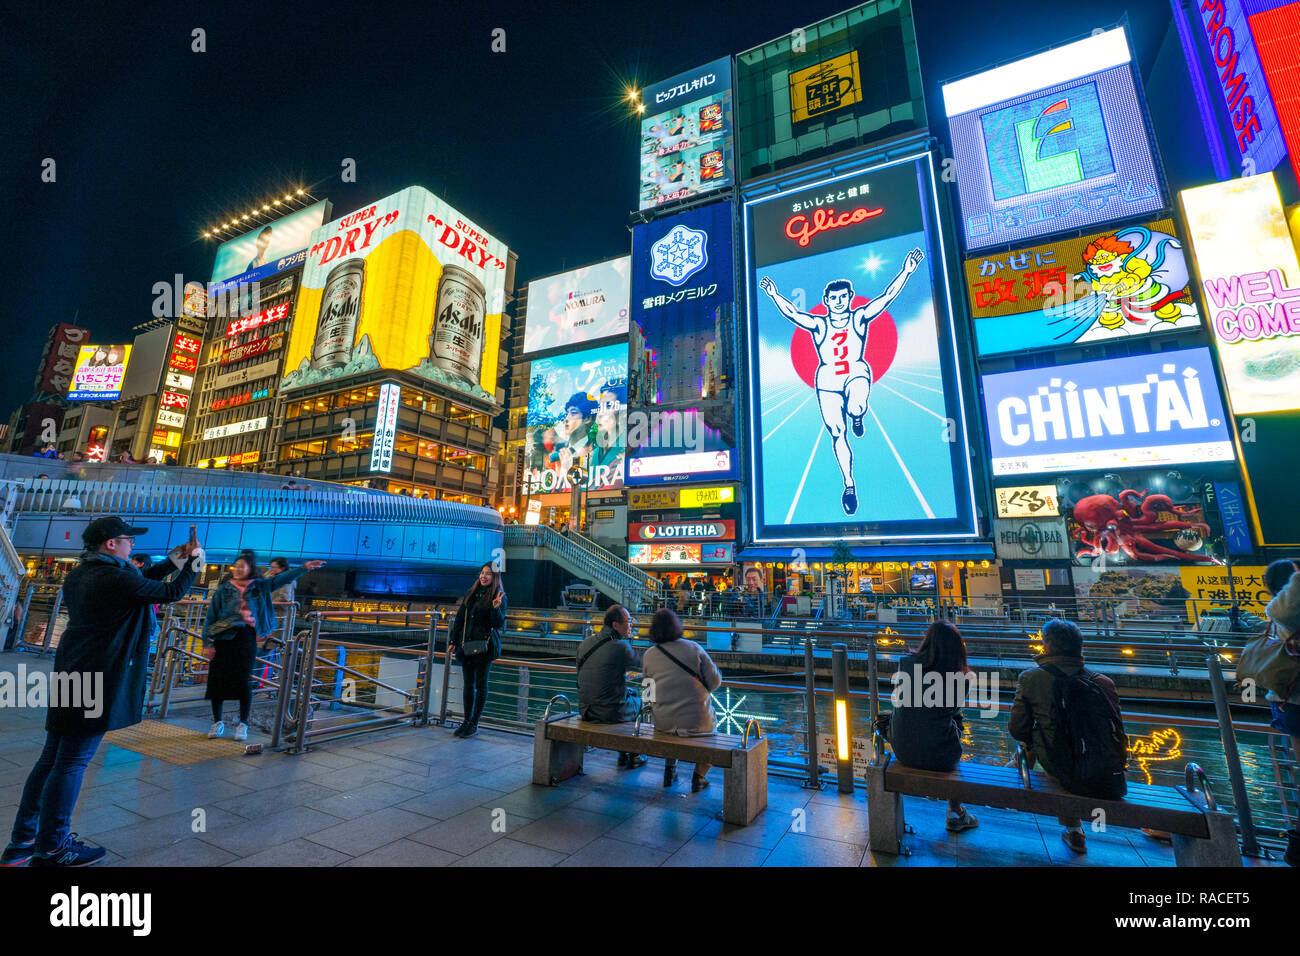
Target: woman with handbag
[239,612]
[476,639]
[683,678]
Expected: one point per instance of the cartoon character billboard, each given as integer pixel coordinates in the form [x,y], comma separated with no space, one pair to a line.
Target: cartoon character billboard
[1106,285]
[577,416]
[854,400]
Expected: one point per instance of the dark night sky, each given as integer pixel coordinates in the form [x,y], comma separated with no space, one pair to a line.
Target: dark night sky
[154,143]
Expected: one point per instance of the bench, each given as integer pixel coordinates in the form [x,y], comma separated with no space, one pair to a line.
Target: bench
[560,741]
[1202,834]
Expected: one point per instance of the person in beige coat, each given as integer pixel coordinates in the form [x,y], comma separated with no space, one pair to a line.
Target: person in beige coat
[681,677]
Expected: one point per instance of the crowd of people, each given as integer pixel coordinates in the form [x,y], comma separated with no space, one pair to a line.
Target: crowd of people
[1066,717]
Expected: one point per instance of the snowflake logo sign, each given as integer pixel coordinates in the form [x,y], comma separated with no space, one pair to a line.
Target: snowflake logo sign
[679,255]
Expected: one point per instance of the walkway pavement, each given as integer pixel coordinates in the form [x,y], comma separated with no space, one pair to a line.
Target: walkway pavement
[420,797]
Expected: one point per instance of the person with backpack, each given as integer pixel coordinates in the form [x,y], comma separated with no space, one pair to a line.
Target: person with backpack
[682,677]
[924,734]
[1069,720]
[475,638]
[604,659]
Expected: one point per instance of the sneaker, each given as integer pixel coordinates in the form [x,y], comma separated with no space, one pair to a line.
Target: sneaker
[72,853]
[698,783]
[636,760]
[850,501]
[963,821]
[16,854]
[1075,840]
[241,731]
[622,760]
[1162,836]
[459,731]
[470,730]
[217,730]
[857,425]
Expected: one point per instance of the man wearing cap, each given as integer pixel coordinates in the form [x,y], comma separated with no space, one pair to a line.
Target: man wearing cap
[105,646]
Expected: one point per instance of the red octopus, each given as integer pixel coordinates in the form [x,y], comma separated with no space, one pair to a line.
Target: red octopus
[1109,526]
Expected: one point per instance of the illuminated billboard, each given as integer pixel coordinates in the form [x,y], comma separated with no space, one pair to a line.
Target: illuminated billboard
[266,250]
[99,372]
[1251,281]
[382,446]
[577,414]
[1159,409]
[1106,285]
[855,405]
[60,358]
[720,552]
[1275,27]
[1051,143]
[682,420]
[574,308]
[835,85]
[686,135]
[406,284]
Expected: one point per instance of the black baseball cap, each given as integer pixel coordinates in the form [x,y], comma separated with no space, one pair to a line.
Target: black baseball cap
[104,529]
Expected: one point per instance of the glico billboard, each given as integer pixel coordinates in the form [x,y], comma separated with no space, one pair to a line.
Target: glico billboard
[1051,143]
[686,135]
[404,284]
[683,422]
[855,404]
[1143,410]
[266,250]
[577,307]
[1105,285]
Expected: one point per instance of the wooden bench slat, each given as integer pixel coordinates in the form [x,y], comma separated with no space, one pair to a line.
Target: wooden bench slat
[1161,808]
[715,749]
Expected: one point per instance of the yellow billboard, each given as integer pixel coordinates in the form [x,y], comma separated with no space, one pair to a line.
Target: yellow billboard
[707,497]
[405,284]
[1207,587]
[825,87]
[99,372]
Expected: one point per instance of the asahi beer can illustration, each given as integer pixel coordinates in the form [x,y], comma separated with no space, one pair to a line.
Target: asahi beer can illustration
[340,308]
[459,324]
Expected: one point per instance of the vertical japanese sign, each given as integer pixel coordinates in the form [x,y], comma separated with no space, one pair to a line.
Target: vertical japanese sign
[1232,509]
[381,449]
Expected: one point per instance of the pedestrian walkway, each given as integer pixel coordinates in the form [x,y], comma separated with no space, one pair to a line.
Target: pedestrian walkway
[420,797]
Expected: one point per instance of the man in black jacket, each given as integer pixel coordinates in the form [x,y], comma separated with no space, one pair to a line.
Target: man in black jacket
[603,662]
[105,649]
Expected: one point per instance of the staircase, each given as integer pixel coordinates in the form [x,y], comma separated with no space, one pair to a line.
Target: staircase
[579,555]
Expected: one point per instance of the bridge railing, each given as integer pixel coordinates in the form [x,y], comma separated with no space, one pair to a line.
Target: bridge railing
[56,496]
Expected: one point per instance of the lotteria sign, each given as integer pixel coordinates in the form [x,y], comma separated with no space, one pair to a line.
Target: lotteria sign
[1160,409]
[1251,280]
[683,531]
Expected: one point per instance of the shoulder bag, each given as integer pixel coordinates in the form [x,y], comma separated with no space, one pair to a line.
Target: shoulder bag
[1265,660]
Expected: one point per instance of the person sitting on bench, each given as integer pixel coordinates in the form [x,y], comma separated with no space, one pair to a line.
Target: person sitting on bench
[604,659]
[925,734]
[1068,718]
[682,676]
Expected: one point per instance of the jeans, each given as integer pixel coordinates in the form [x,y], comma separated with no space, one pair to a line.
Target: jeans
[45,810]
[474,674]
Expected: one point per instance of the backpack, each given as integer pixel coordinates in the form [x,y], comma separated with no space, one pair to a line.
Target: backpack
[1089,750]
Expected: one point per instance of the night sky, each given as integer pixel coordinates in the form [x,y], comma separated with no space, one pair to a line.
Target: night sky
[154,143]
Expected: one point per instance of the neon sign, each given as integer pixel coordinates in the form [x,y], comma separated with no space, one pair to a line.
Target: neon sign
[801,230]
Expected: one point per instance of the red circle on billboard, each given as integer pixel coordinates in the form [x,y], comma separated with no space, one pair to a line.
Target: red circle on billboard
[879,351]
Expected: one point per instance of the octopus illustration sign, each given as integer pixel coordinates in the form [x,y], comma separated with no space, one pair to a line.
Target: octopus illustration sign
[1159,409]
[855,403]
[1115,283]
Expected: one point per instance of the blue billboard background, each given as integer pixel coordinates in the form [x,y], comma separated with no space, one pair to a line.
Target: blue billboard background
[909,466]
[1131,412]
[682,293]
[1053,160]
[254,256]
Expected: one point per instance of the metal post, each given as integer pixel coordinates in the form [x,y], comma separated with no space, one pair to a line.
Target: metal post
[49,624]
[446,681]
[1249,845]
[288,662]
[426,685]
[814,781]
[341,657]
[305,683]
[173,656]
[871,678]
[843,717]
[16,641]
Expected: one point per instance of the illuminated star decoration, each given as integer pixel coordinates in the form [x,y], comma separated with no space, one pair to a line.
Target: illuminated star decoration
[729,714]
[679,255]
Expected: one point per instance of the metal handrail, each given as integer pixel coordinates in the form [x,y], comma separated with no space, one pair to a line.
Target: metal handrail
[1021,759]
[546,715]
[1197,781]
[645,711]
[758,732]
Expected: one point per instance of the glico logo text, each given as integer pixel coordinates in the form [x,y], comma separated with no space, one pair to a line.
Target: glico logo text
[800,229]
